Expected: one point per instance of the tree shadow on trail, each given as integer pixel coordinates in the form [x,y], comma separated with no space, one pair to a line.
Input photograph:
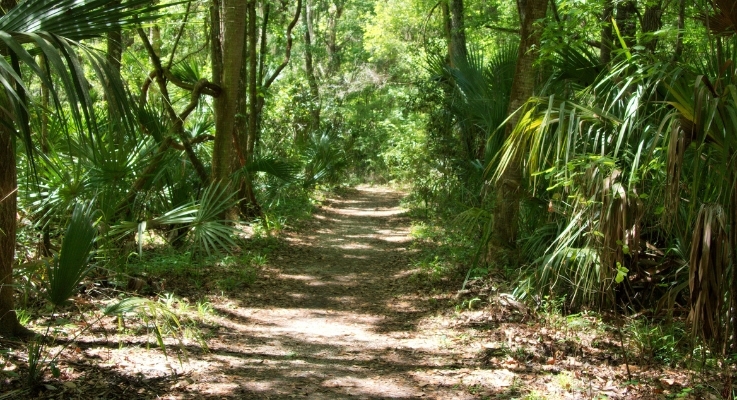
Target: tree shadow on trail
[334,315]
[357,257]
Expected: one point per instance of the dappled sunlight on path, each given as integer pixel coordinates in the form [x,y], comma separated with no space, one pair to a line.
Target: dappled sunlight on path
[333,316]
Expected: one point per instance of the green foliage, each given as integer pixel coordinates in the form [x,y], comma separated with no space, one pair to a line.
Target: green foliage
[70,267]
[211,233]
[444,252]
[663,342]
[159,318]
[324,160]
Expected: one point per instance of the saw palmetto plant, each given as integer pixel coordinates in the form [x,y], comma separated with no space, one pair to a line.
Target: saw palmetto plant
[637,168]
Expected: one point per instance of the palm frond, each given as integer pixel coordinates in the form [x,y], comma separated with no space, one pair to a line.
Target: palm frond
[66,271]
[77,19]
[274,166]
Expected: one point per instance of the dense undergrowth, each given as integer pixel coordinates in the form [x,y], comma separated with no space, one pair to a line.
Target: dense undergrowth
[625,203]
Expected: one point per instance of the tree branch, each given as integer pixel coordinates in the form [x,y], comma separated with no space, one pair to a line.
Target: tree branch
[289,47]
[177,120]
[165,144]
[262,49]
[179,35]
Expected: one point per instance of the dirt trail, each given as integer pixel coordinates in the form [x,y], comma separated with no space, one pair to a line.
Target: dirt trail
[331,318]
[337,314]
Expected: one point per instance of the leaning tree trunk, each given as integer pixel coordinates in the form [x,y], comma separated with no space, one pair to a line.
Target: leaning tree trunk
[506,207]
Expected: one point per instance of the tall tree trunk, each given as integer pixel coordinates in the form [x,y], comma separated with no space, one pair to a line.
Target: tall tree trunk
[9,325]
[250,206]
[508,188]
[216,47]
[607,37]
[332,37]
[112,57]
[679,39]
[458,51]
[472,138]
[627,21]
[258,83]
[314,123]
[232,28]
[44,247]
[447,28]
[651,23]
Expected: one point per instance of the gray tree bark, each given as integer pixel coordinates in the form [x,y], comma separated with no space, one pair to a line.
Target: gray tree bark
[509,185]
[232,32]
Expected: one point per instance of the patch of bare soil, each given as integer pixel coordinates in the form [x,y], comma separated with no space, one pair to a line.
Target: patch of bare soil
[336,314]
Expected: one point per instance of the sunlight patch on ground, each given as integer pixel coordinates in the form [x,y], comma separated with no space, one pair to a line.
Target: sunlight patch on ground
[403,305]
[362,212]
[298,277]
[353,246]
[225,389]
[345,329]
[321,217]
[395,238]
[378,387]
[406,273]
[347,278]
[315,328]
[345,299]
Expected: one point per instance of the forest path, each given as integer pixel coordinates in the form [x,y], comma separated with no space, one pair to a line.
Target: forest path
[338,312]
[333,316]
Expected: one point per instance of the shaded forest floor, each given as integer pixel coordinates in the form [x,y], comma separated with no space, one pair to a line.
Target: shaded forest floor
[337,311]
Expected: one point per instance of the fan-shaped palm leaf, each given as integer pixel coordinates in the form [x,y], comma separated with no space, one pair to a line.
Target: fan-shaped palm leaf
[66,271]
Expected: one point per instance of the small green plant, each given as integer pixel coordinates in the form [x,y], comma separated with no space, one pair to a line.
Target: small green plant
[159,318]
[204,308]
[237,279]
[683,393]
[565,381]
[258,260]
[269,225]
[66,271]
[24,317]
[659,342]
[534,395]
[467,303]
